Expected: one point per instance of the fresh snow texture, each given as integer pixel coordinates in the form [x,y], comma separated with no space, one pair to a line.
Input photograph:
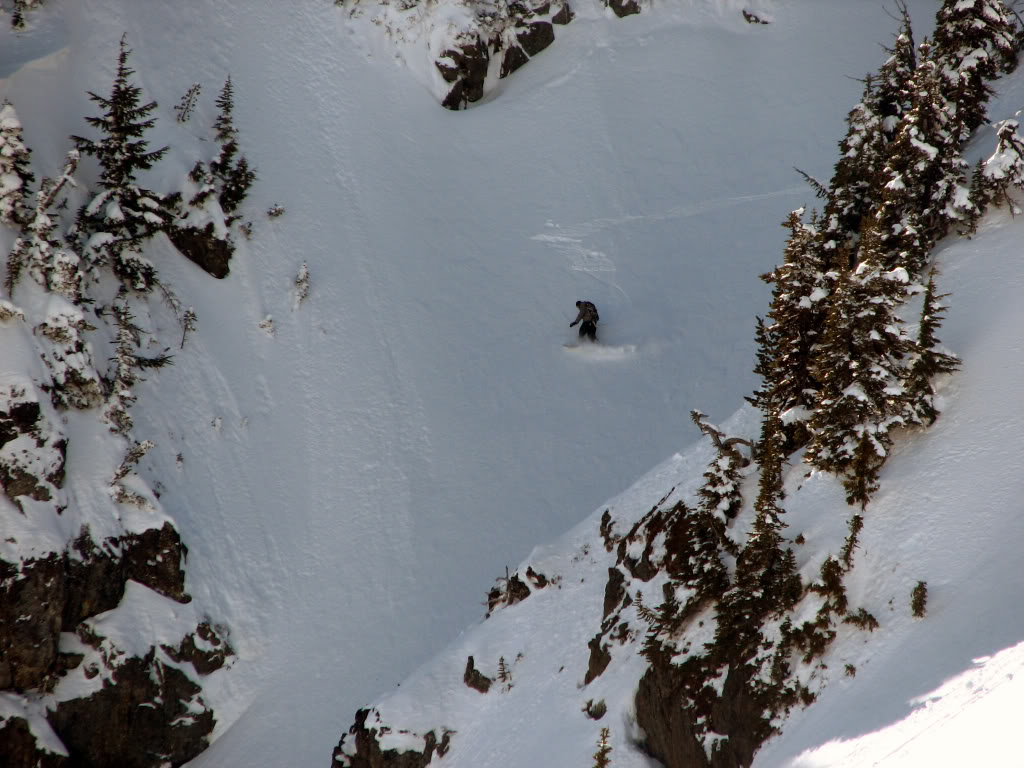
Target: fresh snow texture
[350,484]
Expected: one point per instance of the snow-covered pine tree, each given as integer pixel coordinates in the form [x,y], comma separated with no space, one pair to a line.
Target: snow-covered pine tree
[68,356]
[927,361]
[871,125]
[861,157]
[766,581]
[1004,169]
[800,287]
[234,176]
[56,268]
[50,261]
[127,364]
[15,176]
[981,197]
[504,674]
[721,494]
[858,362]
[975,42]
[21,9]
[709,577]
[202,177]
[124,214]
[890,98]
[924,180]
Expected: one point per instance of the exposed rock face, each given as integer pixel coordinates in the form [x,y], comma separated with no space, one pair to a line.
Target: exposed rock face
[31,609]
[524,31]
[129,705]
[204,248]
[465,67]
[204,648]
[667,718]
[512,589]
[32,451]
[149,716]
[706,706]
[156,558]
[623,7]
[94,576]
[476,679]
[364,751]
[147,708]
[19,747]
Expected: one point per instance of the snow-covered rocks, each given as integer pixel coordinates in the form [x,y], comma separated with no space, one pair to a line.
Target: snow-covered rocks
[468,44]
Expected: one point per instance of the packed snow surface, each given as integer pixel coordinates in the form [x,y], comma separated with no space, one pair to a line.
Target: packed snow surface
[351,473]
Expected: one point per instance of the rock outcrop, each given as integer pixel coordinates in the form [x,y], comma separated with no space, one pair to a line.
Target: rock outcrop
[203,247]
[361,746]
[101,656]
[623,7]
[509,38]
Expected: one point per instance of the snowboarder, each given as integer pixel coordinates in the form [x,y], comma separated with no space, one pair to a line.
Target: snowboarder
[587,318]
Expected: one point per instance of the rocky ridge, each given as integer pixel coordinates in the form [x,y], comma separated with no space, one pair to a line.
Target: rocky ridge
[481,41]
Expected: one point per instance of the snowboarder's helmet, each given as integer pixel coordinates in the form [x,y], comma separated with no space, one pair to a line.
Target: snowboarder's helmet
[578,303]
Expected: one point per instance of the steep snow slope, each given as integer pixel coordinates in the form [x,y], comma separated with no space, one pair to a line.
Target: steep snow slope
[931,691]
[351,486]
[939,690]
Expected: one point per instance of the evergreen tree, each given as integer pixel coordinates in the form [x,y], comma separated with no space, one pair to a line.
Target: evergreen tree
[890,98]
[975,42]
[201,176]
[183,109]
[871,126]
[127,365]
[1004,169]
[235,189]
[788,388]
[766,582]
[861,157]
[50,261]
[927,361]
[858,363]
[924,179]
[15,176]
[721,494]
[124,214]
[234,176]
[602,757]
[68,356]
[981,196]
[21,8]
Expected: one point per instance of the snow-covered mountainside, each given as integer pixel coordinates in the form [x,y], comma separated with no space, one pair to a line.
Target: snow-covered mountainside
[371,413]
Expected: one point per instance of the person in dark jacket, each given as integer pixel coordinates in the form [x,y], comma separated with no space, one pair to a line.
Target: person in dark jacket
[587,319]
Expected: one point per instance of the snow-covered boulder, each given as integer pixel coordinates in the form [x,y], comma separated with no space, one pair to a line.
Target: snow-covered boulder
[468,45]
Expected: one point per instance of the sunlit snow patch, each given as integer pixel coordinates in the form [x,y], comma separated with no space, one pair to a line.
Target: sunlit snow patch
[972,719]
